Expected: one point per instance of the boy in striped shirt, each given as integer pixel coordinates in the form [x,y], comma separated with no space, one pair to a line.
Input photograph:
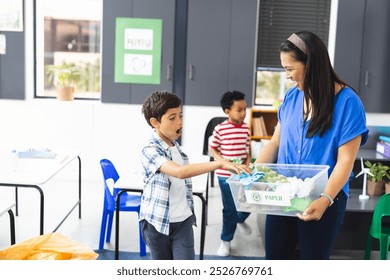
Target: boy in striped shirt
[230,141]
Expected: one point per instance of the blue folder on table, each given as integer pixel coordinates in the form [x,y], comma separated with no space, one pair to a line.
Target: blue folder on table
[31,153]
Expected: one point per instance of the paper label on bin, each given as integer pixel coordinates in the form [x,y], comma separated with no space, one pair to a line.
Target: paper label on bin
[268,198]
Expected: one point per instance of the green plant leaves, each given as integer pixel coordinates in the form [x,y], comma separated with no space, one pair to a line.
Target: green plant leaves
[379,171]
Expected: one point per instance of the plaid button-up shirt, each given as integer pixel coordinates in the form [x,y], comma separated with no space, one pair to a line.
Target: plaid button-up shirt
[155,197]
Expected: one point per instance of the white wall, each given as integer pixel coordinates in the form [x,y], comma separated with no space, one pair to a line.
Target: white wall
[97,130]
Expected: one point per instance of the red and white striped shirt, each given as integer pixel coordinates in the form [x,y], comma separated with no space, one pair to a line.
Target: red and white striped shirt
[232,141]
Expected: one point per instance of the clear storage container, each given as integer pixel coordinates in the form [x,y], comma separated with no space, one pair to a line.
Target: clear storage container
[285,189]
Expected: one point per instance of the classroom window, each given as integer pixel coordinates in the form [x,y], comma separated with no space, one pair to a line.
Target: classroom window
[271,85]
[68,31]
[278,19]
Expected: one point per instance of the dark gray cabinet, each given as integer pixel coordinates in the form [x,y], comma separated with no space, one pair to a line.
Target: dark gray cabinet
[361,54]
[375,74]
[12,67]
[136,93]
[221,42]
[212,51]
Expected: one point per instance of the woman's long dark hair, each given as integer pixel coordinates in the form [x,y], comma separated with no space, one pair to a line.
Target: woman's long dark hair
[319,81]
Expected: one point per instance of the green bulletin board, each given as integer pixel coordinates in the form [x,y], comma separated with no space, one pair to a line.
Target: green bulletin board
[138,50]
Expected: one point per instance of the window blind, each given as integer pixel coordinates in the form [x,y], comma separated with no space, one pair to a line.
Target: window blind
[279,18]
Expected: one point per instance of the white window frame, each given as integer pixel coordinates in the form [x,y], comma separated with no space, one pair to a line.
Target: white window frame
[75,13]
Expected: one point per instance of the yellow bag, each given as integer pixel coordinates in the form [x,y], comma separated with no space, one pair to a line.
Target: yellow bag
[51,246]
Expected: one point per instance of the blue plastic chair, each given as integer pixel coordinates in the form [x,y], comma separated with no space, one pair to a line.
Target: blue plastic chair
[379,231]
[128,202]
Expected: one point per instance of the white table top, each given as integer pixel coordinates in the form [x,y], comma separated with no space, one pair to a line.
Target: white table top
[32,171]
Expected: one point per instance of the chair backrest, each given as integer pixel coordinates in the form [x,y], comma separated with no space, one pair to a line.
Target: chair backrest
[209,131]
[382,208]
[109,170]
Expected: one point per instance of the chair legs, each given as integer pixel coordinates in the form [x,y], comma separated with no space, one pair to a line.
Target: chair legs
[103,230]
[109,226]
[384,247]
[384,243]
[367,253]
[106,229]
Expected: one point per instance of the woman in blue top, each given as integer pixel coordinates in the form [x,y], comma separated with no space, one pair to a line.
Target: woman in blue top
[321,121]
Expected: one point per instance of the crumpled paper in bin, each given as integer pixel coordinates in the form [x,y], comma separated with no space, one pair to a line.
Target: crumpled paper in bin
[51,246]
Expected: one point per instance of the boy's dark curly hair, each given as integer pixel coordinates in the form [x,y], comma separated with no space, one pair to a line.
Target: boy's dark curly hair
[158,103]
[229,97]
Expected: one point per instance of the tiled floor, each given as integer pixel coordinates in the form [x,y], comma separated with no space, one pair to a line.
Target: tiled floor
[61,195]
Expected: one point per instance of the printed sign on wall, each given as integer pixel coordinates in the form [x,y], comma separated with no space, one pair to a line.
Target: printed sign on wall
[11,15]
[138,50]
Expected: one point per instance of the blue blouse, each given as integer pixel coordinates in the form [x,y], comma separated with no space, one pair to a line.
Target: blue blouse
[349,121]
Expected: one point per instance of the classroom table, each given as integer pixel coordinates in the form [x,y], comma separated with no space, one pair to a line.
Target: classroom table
[358,215]
[357,220]
[33,172]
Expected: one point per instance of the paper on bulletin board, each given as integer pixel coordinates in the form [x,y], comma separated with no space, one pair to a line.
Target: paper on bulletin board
[11,15]
[138,50]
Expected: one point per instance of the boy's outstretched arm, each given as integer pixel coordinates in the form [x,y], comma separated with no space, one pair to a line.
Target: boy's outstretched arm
[190,170]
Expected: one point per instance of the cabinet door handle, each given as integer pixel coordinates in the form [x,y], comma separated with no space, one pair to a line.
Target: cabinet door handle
[190,71]
[169,67]
[366,79]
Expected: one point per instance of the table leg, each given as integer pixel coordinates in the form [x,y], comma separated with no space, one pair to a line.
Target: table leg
[42,209]
[79,159]
[42,199]
[117,204]
[41,202]
[203,225]
[78,203]
[16,202]
[12,225]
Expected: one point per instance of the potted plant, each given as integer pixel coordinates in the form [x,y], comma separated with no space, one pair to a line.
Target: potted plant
[375,183]
[387,181]
[64,77]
